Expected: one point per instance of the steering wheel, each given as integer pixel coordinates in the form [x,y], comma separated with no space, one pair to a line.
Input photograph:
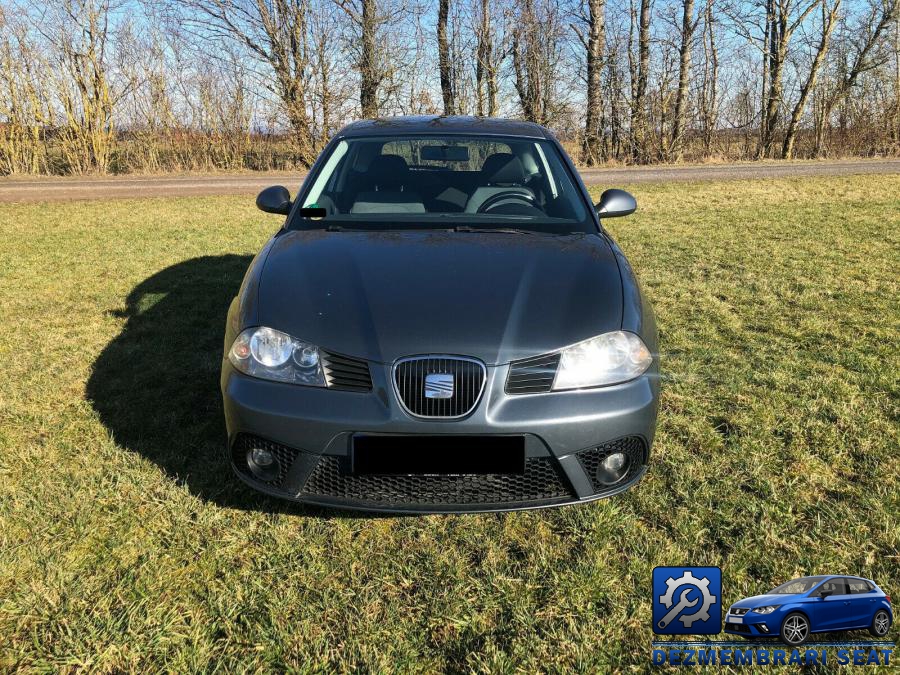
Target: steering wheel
[506,197]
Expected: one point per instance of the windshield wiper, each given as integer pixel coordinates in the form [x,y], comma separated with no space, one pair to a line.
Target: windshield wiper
[495,230]
[511,230]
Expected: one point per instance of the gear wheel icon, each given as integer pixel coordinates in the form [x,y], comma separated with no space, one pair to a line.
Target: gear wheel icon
[701,584]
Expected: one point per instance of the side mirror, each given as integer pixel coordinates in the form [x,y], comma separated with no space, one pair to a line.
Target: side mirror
[614,203]
[275,199]
[825,594]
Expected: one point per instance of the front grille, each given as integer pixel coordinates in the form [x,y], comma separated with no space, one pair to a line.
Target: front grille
[346,373]
[468,383]
[738,611]
[590,460]
[541,482]
[245,442]
[532,376]
[738,627]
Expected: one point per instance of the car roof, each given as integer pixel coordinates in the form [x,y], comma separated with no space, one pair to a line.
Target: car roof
[444,124]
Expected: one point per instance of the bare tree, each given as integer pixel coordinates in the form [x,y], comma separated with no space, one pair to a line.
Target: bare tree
[865,57]
[829,15]
[487,61]
[443,45]
[593,39]
[708,108]
[273,31]
[536,54]
[24,101]
[688,26]
[783,18]
[640,73]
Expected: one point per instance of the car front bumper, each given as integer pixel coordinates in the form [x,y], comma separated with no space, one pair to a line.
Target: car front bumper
[752,625]
[311,431]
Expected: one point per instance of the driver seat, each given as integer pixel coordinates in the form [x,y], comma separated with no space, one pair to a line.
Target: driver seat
[501,172]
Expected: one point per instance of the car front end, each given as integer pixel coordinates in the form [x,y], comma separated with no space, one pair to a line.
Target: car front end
[758,617]
[364,441]
[430,360]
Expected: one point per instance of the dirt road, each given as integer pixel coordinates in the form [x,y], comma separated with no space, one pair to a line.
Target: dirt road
[55,189]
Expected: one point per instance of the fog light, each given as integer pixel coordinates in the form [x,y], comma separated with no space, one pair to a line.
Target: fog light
[763,627]
[262,463]
[613,468]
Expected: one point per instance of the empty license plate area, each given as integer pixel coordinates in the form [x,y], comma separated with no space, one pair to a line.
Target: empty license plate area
[438,455]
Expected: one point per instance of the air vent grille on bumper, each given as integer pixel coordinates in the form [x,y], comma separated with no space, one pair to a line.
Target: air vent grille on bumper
[532,376]
[467,383]
[633,448]
[345,373]
[540,483]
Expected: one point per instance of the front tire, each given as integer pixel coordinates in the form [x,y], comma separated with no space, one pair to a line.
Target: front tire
[794,629]
[881,623]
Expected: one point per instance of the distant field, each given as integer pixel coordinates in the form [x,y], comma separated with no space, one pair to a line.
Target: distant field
[125,544]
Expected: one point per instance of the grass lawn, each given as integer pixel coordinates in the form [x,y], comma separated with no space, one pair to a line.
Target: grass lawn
[125,543]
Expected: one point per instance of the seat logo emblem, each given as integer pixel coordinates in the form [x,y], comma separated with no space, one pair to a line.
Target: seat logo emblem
[439,385]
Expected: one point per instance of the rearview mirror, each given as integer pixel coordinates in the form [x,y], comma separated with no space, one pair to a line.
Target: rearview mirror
[275,199]
[445,153]
[614,203]
[825,594]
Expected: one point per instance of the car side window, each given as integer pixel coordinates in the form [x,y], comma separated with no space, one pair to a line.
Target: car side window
[859,586]
[835,586]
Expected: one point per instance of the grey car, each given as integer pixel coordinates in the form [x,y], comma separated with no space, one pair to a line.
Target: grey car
[442,324]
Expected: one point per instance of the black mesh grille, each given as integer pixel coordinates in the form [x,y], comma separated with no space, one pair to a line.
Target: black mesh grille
[532,376]
[541,482]
[345,373]
[738,627]
[590,459]
[245,442]
[468,382]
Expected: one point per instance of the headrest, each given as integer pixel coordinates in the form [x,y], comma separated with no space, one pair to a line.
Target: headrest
[388,171]
[503,168]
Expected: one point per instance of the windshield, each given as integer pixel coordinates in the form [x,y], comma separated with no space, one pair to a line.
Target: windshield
[801,585]
[467,183]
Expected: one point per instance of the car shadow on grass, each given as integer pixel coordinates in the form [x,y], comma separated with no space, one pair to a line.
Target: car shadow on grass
[156,385]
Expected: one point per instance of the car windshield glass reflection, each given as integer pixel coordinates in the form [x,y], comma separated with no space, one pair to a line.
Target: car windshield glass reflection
[801,585]
[428,182]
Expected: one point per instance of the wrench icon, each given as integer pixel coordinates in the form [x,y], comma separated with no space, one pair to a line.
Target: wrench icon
[680,605]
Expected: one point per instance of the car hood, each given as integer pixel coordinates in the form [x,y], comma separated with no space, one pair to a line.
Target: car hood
[494,296]
[765,600]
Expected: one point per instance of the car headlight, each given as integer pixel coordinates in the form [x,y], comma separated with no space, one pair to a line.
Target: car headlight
[272,355]
[606,359]
[765,610]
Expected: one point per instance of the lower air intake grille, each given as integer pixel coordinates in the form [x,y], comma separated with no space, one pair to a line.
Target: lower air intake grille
[345,373]
[540,483]
[590,459]
[463,385]
[532,376]
[245,442]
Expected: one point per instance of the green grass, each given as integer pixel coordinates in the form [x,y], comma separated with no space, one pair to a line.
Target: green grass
[125,544]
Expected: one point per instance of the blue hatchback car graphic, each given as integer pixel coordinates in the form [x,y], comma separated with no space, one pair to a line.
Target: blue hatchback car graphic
[820,604]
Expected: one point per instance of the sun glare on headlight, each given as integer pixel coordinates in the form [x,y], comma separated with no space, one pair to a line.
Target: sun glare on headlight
[272,355]
[606,359]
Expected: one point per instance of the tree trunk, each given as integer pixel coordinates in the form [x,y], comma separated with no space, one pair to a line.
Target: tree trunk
[684,71]
[638,104]
[828,19]
[368,63]
[444,58]
[591,149]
